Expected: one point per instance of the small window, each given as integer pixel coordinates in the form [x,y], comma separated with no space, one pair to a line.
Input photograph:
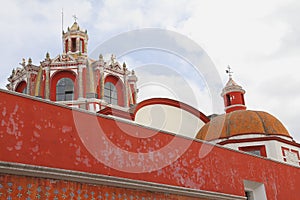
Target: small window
[291,156]
[73,44]
[110,93]
[228,99]
[64,90]
[255,150]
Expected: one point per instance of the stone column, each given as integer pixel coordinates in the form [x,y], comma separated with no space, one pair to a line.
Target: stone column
[28,83]
[101,80]
[80,81]
[125,90]
[69,44]
[85,46]
[77,44]
[47,83]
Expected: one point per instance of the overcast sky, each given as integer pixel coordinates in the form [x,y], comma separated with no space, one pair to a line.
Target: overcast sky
[259,39]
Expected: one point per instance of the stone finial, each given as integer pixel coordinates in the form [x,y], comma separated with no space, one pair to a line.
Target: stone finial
[132,72]
[101,57]
[113,59]
[47,56]
[124,66]
[23,62]
[29,61]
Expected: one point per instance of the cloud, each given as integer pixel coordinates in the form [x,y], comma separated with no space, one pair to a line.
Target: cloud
[259,39]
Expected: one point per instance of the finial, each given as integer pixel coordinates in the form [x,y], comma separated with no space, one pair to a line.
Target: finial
[132,72]
[100,57]
[113,59]
[23,62]
[29,61]
[229,72]
[124,66]
[75,17]
[47,56]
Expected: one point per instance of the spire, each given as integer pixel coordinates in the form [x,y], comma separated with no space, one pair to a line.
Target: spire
[233,94]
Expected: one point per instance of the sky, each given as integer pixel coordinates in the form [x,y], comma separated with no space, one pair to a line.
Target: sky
[259,39]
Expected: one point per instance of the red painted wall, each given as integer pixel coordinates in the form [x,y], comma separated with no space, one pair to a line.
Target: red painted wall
[40,133]
[21,187]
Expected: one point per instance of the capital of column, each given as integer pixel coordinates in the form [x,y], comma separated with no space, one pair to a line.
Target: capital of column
[80,68]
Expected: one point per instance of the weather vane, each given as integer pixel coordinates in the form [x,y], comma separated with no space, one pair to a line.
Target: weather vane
[229,72]
[75,17]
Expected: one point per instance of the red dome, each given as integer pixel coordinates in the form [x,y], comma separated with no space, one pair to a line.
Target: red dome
[242,122]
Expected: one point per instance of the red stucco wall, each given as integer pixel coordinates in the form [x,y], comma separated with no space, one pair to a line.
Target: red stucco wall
[20,187]
[39,133]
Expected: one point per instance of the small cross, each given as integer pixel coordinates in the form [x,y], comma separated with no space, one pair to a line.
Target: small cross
[75,17]
[229,72]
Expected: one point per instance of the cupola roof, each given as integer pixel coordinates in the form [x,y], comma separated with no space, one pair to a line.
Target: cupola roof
[232,86]
[241,122]
[75,27]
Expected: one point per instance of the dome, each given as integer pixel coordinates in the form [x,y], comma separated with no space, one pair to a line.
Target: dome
[242,122]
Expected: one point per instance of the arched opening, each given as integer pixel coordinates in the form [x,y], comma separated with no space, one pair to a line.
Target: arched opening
[110,93]
[73,44]
[113,90]
[65,90]
[22,87]
[63,86]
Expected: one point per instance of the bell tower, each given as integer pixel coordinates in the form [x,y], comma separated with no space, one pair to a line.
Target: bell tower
[233,95]
[75,41]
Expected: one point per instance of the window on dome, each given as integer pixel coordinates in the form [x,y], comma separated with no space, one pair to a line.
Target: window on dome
[64,90]
[255,150]
[110,93]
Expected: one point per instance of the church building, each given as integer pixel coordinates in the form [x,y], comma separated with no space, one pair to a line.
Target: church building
[72,128]
[76,80]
